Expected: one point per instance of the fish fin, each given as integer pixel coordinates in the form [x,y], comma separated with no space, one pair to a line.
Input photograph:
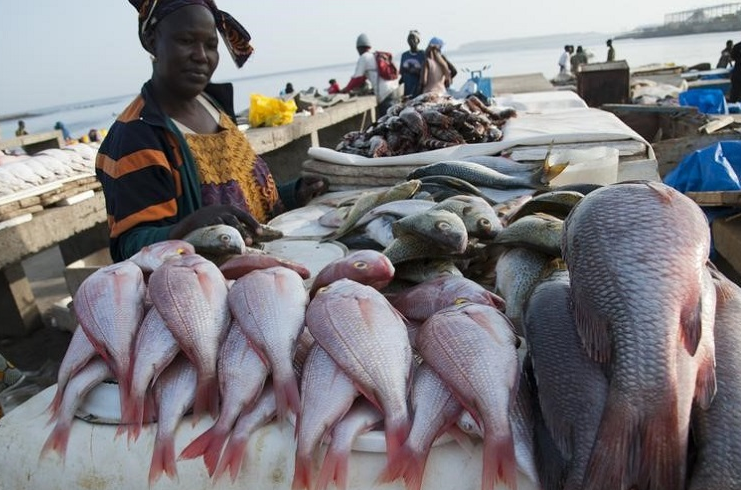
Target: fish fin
[287,398]
[612,463]
[663,451]
[665,193]
[593,330]
[334,469]
[705,385]
[407,465]
[56,402]
[232,459]
[691,326]
[500,465]
[463,439]
[396,434]
[302,473]
[163,460]
[57,441]
[208,445]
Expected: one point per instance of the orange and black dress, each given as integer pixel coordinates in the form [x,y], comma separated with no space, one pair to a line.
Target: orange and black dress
[155,172]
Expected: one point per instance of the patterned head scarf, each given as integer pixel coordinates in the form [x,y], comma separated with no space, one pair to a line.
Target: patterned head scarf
[236,37]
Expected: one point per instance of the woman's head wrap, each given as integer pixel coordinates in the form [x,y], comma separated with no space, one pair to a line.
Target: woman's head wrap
[236,37]
[436,41]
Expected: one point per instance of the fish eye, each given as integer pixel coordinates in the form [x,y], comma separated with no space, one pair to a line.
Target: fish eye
[360,264]
[443,225]
[460,301]
[485,223]
[224,238]
[322,289]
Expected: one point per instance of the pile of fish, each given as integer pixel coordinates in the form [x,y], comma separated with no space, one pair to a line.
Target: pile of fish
[18,173]
[427,122]
[570,336]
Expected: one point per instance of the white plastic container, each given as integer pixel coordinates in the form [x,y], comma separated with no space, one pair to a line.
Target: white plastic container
[598,165]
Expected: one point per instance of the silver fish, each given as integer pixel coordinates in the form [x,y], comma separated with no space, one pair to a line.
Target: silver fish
[479,217]
[480,175]
[636,284]
[419,271]
[443,228]
[538,232]
[216,240]
[368,339]
[503,164]
[554,203]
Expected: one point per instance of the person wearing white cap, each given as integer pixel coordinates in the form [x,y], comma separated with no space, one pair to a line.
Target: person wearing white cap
[411,66]
[367,69]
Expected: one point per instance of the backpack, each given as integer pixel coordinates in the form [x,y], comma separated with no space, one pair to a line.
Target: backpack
[386,67]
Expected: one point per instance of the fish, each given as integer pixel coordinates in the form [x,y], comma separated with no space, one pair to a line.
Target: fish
[110,306]
[362,417]
[367,267]
[538,232]
[420,302]
[269,305]
[421,270]
[368,339]
[191,296]
[327,395]
[154,349]
[79,352]
[174,393]
[334,217]
[554,203]
[153,256]
[504,165]
[396,209]
[517,272]
[254,259]
[216,240]
[479,217]
[380,231]
[235,452]
[242,374]
[91,375]
[435,411]
[470,347]
[443,228]
[446,186]
[636,253]
[716,427]
[410,247]
[267,233]
[571,386]
[480,175]
[368,201]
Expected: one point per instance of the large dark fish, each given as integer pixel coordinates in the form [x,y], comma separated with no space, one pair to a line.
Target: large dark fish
[636,254]
[571,386]
[717,428]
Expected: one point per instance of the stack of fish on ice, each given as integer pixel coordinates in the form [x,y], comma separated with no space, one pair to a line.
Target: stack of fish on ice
[19,173]
[617,358]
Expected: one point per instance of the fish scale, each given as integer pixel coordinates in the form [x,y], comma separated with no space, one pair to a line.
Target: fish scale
[636,282]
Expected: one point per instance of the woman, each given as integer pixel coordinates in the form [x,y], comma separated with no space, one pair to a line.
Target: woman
[174,161]
[437,71]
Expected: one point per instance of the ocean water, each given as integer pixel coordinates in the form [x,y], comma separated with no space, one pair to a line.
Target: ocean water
[503,57]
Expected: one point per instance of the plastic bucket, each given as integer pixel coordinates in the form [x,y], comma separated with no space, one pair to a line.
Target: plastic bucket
[597,165]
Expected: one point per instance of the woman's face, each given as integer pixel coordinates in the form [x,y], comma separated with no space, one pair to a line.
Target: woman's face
[185,45]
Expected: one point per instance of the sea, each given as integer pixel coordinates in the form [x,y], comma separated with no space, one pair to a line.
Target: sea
[491,58]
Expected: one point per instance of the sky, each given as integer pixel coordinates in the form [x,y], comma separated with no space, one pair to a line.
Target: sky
[55,52]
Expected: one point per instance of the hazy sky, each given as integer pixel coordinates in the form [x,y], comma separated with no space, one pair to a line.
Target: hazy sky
[56,52]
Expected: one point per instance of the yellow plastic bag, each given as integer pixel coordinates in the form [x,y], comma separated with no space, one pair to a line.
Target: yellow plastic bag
[270,111]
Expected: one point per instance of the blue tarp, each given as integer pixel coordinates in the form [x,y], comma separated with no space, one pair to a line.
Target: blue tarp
[714,168]
[707,101]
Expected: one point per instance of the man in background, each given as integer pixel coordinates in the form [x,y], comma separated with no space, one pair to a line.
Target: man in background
[610,51]
[367,69]
[411,66]
[725,56]
[21,131]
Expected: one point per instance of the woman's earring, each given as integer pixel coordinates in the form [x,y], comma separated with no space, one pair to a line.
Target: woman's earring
[153,58]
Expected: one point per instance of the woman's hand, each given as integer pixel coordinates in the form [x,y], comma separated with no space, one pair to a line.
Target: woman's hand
[309,187]
[225,214]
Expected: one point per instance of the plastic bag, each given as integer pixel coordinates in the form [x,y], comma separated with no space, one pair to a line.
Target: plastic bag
[714,168]
[270,111]
[707,101]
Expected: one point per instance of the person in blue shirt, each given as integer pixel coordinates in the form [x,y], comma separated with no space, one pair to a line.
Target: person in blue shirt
[411,66]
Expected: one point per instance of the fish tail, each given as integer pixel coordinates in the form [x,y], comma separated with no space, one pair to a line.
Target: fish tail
[53,407]
[287,397]
[407,465]
[302,473]
[209,445]
[163,460]
[500,465]
[234,454]
[334,469]
[57,441]
[134,415]
[663,450]
[207,397]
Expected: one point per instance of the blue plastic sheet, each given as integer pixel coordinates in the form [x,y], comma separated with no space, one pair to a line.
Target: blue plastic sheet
[714,168]
[707,101]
